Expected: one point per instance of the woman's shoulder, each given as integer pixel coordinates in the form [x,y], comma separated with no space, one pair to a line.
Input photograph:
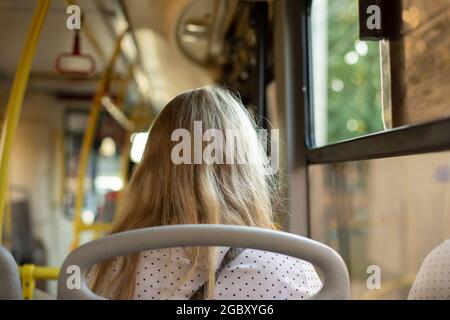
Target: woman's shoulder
[256,274]
[161,274]
[433,277]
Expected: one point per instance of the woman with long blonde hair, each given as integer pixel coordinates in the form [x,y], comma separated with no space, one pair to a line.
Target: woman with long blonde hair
[177,183]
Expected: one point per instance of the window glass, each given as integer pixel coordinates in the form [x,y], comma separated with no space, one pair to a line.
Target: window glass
[345,74]
[385,215]
[106,169]
[104,176]
[420,65]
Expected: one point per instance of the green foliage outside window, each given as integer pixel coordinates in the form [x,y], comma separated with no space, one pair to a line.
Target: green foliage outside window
[354,85]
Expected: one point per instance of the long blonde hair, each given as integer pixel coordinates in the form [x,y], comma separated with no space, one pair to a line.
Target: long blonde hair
[163,193]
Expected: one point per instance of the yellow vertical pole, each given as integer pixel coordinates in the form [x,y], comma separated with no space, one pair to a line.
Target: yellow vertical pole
[16,97]
[84,157]
[29,273]
[28,281]
[88,139]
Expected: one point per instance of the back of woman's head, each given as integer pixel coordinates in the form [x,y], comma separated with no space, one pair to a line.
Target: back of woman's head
[203,164]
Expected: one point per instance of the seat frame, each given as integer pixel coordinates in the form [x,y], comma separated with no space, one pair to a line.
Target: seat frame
[335,273]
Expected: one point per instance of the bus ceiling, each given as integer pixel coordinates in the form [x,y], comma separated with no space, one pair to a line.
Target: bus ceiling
[173,45]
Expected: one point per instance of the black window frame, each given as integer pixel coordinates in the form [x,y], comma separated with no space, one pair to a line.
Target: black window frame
[406,140]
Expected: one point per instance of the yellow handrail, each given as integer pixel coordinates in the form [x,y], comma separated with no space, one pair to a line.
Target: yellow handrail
[78,224]
[29,273]
[16,97]
[117,114]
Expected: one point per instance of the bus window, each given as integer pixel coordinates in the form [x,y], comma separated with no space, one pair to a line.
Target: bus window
[74,123]
[345,74]
[103,181]
[420,65]
[383,216]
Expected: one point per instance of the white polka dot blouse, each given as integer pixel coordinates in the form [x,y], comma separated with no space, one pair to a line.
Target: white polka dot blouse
[252,275]
[433,280]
